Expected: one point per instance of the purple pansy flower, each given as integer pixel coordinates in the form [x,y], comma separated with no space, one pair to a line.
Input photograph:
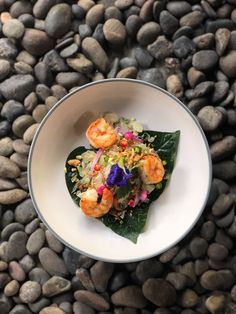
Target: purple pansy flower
[118,176]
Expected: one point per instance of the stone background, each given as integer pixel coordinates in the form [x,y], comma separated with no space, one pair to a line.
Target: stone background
[49,47]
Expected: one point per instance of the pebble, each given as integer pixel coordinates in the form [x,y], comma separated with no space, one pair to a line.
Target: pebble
[5,304]
[27,263]
[69,51]
[21,124]
[160,48]
[25,212]
[95,15]
[17,87]
[80,308]
[84,31]
[215,303]
[12,109]
[148,33]
[80,63]
[11,288]
[189,298]
[212,280]
[55,62]
[13,29]
[147,269]
[100,275]
[129,72]
[70,79]
[152,75]
[84,276]
[20,7]
[4,128]
[10,228]
[143,57]
[29,133]
[227,64]
[78,11]
[159,292]
[225,170]
[146,11]
[222,37]
[223,148]
[95,53]
[4,280]
[58,20]
[192,19]
[174,86]
[130,296]
[55,285]
[39,113]
[178,281]
[43,73]
[195,76]
[51,310]
[205,60]
[29,292]
[210,118]
[198,247]
[222,205]
[92,299]
[133,24]
[178,8]
[53,242]
[6,146]
[72,260]
[30,102]
[16,271]
[20,160]
[52,263]
[39,275]
[35,242]
[168,22]
[217,251]
[36,42]
[212,26]
[8,49]
[113,12]
[183,47]
[204,41]
[9,168]
[114,32]
[16,246]
[118,280]
[5,69]
[7,184]
[50,101]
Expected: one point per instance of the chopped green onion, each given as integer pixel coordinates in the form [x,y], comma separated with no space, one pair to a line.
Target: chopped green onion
[65,170]
[159,185]
[137,149]
[164,162]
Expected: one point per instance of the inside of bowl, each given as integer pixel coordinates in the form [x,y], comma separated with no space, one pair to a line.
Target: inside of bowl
[170,217]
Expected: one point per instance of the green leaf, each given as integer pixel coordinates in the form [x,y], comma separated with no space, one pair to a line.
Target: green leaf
[166,145]
[69,174]
[123,191]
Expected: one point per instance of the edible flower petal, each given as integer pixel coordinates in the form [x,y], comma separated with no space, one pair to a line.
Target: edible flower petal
[118,176]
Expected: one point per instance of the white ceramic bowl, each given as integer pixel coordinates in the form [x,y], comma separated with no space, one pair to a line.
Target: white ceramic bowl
[170,217]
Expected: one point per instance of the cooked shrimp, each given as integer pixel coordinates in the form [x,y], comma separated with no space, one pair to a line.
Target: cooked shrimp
[100,134]
[90,206]
[151,169]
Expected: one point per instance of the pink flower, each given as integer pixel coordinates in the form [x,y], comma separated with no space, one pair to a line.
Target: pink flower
[128,135]
[100,189]
[143,196]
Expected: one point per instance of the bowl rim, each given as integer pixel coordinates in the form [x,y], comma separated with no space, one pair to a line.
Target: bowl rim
[104,81]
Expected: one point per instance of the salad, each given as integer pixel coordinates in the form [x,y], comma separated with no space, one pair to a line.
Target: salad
[125,169]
